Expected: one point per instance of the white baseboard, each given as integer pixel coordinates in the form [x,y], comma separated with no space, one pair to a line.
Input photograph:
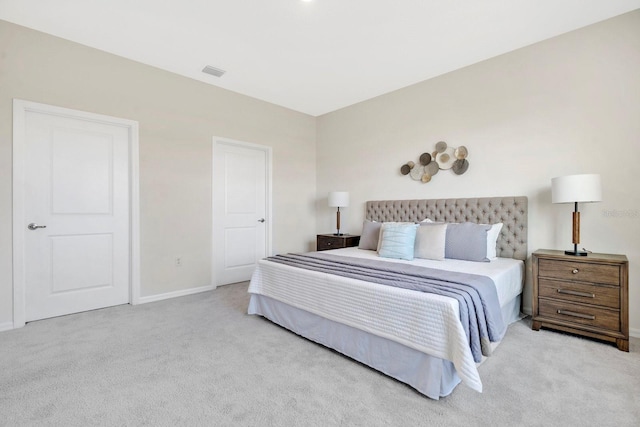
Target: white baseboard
[175,294]
[7,326]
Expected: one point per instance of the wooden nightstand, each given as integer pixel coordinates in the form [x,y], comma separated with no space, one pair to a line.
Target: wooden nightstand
[588,296]
[331,241]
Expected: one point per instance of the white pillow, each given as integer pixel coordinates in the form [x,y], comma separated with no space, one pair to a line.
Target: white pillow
[430,241]
[492,239]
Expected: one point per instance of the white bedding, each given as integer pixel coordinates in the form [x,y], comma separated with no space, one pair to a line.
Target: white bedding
[426,322]
[506,273]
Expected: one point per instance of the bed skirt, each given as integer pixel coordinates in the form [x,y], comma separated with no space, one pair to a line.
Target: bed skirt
[432,376]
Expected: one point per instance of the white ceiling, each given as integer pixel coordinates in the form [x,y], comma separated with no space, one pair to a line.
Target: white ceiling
[313,57]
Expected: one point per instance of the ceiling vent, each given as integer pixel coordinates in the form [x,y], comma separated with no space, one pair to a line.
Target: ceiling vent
[213,71]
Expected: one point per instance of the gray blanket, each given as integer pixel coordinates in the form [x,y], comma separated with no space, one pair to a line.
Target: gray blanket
[480,312]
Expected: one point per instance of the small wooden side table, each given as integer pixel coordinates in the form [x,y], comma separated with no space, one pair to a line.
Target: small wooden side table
[587,296]
[331,241]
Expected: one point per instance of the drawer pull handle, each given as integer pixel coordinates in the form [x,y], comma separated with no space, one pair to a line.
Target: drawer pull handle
[574,314]
[575,271]
[576,293]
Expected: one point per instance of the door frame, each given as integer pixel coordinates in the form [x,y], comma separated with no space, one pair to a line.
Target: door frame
[20,110]
[217,141]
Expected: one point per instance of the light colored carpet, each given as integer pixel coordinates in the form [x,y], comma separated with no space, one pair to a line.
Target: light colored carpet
[200,360]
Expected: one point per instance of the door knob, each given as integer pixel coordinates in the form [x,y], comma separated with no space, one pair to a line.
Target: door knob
[261,220]
[34,226]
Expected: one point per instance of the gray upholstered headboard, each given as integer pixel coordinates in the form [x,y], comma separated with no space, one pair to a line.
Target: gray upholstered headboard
[511,211]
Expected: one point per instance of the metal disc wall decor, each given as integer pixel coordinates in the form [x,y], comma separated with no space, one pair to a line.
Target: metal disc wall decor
[460,166]
[432,168]
[442,158]
[446,158]
[417,172]
[460,152]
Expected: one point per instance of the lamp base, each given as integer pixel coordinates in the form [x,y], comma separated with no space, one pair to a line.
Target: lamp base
[575,253]
[338,234]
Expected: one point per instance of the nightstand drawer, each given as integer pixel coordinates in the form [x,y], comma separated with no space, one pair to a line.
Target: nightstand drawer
[326,243]
[580,292]
[575,313]
[579,271]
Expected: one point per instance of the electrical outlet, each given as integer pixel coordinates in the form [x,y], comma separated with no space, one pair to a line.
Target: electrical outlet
[178,262]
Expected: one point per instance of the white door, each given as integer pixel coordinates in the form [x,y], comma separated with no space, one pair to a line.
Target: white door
[240,209]
[76,210]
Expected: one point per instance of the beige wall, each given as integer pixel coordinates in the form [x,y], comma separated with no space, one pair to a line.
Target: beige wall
[564,106]
[567,105]
[178,118]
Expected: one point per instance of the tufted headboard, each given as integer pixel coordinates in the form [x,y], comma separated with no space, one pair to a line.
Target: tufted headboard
[511,211]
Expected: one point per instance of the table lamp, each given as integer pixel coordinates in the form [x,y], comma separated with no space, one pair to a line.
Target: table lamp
[338,199]
[576,189]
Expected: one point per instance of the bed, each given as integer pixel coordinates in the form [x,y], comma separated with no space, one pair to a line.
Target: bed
[419,338]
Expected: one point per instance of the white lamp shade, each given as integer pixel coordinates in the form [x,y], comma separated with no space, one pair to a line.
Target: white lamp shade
[338,199]
[576,188]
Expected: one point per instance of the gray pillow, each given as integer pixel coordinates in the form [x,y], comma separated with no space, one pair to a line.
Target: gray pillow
[467,241]
[370,235]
